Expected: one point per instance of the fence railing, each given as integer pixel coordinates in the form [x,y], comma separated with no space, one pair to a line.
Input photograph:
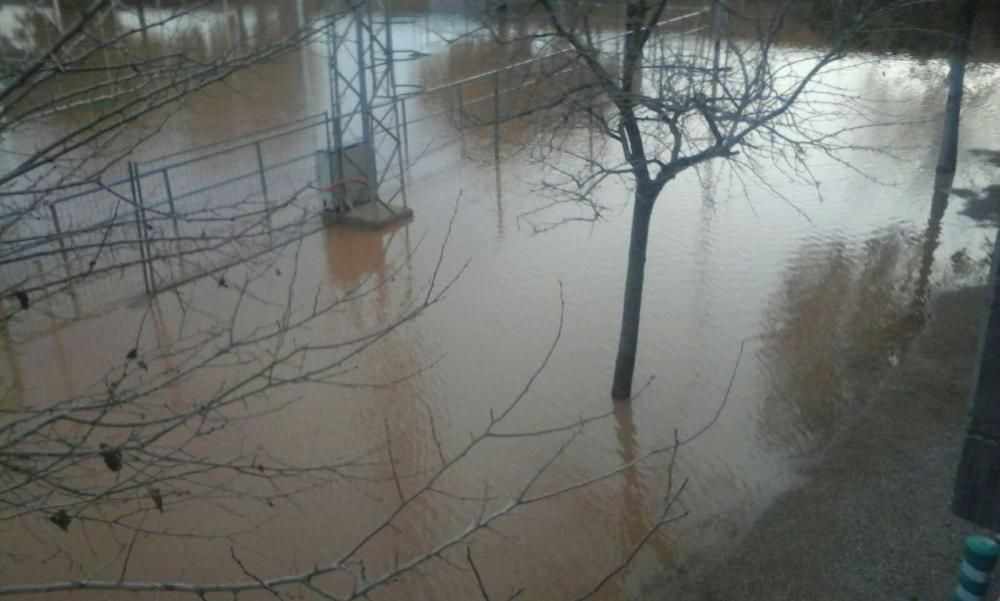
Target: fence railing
[172,217]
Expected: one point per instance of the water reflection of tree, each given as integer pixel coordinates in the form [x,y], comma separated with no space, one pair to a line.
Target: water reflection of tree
[635,516]
[843,313]
[931,241]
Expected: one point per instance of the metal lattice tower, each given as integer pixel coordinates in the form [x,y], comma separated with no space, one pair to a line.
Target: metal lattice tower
[365,120]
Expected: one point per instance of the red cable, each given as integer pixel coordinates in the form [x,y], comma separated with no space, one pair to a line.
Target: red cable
[347,180]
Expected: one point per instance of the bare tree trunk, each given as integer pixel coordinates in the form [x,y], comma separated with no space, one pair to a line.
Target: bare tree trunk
[977,485]
[628,342]
[976,496]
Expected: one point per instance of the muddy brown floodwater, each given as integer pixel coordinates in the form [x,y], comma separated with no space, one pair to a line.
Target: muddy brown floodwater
[820,295]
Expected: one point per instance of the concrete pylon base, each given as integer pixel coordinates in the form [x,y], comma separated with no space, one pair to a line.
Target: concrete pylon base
[373,216]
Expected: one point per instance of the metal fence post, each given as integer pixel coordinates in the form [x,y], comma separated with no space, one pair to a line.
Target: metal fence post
[140,225]
[146,240]
[496,148]
[59,233]
[263,174]
[590,140]
[263,185]
[496,116]
[170,201]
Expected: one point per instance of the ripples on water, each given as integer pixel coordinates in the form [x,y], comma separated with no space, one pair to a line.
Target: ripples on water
[825,302]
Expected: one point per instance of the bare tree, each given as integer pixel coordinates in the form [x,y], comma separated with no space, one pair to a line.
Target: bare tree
[671,102]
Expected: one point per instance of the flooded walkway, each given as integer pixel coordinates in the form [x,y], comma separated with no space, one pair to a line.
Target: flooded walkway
[873,515]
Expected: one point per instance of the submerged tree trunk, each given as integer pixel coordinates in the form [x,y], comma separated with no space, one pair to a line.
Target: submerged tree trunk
[628,341]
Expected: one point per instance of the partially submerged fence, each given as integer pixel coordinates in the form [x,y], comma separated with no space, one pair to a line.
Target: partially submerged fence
[180,216]
[166,220]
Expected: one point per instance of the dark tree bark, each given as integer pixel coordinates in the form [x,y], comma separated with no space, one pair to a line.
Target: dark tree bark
[932,239]
[635,275]
[977,484]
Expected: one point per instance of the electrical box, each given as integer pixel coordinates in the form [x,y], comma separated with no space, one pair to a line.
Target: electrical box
[345,178]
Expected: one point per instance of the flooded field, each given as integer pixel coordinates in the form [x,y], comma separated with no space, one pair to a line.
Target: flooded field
[769,305]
